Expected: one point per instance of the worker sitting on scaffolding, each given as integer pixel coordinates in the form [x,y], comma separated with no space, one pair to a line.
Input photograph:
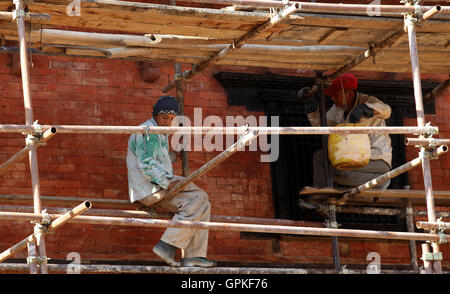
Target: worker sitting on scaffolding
[150,176]
[351,107]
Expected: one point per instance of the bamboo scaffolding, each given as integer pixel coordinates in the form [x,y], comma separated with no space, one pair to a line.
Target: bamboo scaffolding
[24,152]
[274,20]
[231,227]
[54,225]
[390,175]
[324,7]
[67,129]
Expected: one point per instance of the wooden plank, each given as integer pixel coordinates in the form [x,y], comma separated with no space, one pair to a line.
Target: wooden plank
[332,35]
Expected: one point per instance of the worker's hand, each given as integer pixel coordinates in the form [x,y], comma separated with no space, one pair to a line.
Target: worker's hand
[306,95]
[360,111]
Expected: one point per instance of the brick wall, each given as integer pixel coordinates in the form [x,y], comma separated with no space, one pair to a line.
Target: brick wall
[89,91]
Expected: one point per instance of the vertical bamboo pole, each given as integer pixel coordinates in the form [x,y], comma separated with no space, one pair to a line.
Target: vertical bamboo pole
[40,242]
[410,26]
[410,227]
[332,206]
[180,98]
[426,264]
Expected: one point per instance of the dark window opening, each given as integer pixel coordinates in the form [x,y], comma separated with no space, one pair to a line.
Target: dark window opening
[275,95]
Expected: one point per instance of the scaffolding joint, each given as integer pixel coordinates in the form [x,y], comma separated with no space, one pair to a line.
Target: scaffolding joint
[18,13]
[441,231]
[37,260]
[45,222]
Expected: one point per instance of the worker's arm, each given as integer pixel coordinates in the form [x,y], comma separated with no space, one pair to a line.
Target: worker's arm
[306,95]
[381,110]
[150,167]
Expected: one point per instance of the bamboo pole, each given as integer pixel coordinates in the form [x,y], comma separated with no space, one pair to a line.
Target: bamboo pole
[410,25]
[4,15]
[147,214]
[372,51]
[135,269]
[54,225]
[82,129]
[24,152]
[40,242]
[436,92]
[390,175]
[326,7]
[180,98]
[230,227]
[410,227]
[241,143]
[427,141]
[432,225]
[332,206]
[274,20]
[427,265]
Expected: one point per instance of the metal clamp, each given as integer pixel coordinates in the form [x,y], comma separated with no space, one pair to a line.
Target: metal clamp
[18,13]
[432,256]
[441,231]
[431,131]
[37,259]
[427,153]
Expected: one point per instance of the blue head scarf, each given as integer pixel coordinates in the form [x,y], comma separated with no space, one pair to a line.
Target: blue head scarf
[165,104]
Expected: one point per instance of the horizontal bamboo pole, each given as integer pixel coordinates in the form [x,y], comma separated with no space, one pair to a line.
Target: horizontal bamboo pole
[232,227]
[151,214]
[326,7]
[432,225]
[24,152]
[389,175]
[136,269]
[65,129]
[58,222]
[427,141]
[4,15]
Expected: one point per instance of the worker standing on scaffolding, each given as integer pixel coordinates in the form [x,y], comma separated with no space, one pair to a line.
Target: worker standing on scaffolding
[351,106]
[150,176]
